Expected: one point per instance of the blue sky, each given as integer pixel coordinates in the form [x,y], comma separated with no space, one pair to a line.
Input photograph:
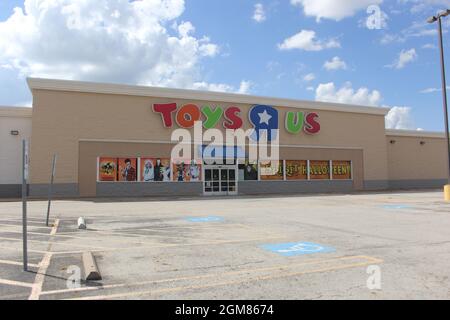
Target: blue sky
[220,45]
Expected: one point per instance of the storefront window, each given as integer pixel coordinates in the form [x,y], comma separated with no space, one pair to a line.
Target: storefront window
[248,171]
[319,170]
[271,170]
[296,170]
[342,170]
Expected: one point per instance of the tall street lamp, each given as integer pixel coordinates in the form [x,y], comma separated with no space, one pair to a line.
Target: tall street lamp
[433,19]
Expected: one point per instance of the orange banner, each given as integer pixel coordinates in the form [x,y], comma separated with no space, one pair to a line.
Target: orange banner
[342,170]
[296,170]
[271,170]
[319,170]
[107,169]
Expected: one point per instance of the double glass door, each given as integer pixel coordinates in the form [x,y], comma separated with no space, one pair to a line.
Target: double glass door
[220,180]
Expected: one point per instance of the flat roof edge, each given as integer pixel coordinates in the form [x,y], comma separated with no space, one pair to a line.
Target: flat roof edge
[109,88]
[9,111]
[415,133]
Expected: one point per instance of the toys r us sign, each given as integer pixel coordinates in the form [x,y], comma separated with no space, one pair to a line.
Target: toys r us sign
[262,117]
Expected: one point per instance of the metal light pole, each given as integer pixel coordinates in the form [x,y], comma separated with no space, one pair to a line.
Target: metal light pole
[433,19]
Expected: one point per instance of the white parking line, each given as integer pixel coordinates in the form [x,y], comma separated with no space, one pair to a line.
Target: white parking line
[36,289]
[15,263]
[16,283]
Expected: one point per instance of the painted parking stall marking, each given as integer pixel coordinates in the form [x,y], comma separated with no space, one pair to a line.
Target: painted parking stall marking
[205,219]
[297,248]
[396,206]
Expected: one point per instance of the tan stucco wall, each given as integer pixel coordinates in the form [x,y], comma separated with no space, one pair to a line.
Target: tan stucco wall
[62,119]
[409,160]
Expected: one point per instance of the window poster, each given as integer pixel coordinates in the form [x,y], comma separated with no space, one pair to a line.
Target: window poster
[271,170]
[342,170]
[127,169]
[107,169]
[248,171]
[185,171]
[162,170]
[319,170]
[148,169]
[296,170]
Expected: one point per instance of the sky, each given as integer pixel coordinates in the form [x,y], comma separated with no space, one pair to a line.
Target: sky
[365,52]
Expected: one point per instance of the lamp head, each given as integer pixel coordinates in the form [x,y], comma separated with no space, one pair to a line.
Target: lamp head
[432,19]
[444,13]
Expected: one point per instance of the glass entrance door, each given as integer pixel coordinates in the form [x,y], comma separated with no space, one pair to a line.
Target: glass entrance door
[220,180]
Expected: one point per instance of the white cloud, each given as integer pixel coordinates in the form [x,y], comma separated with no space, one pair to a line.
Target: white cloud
[400,118]
[420,6]
[106,40]
[389,38]
[244,87]
[429,46]
[306,40]
[397,118]
[259,15]
[309,77]
[433,90]
[328,92]
[333,9]
[335,64]
[430,90]
[405,57]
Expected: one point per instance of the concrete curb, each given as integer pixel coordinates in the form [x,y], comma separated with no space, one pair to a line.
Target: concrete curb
[91,270]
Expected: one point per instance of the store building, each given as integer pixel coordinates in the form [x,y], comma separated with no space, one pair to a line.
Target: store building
[115,141]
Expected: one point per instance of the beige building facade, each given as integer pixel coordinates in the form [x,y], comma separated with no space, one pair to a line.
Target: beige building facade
[114,141]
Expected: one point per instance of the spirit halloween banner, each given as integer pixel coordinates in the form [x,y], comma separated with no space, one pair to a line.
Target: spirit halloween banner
[271,171]
[296,170]
[342,170]
[319,170]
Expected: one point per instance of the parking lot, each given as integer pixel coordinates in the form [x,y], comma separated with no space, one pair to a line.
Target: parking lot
[363,246]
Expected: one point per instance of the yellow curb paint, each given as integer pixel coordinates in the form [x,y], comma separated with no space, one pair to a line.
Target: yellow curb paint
[447,192]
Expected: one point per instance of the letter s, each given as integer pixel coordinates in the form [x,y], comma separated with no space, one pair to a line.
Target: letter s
[233,119]
[312,126]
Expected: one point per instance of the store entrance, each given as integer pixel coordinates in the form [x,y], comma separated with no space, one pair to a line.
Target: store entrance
[220,180]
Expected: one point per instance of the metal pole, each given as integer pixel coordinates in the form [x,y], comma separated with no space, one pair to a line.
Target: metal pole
[24,204]
[444,93]
[50,189]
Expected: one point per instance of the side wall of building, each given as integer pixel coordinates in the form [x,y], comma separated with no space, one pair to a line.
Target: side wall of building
[12,119]
[416,161]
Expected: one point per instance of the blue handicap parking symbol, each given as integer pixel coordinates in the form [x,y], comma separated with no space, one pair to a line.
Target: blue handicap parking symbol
[396,206]
[297,248]
[205,219]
